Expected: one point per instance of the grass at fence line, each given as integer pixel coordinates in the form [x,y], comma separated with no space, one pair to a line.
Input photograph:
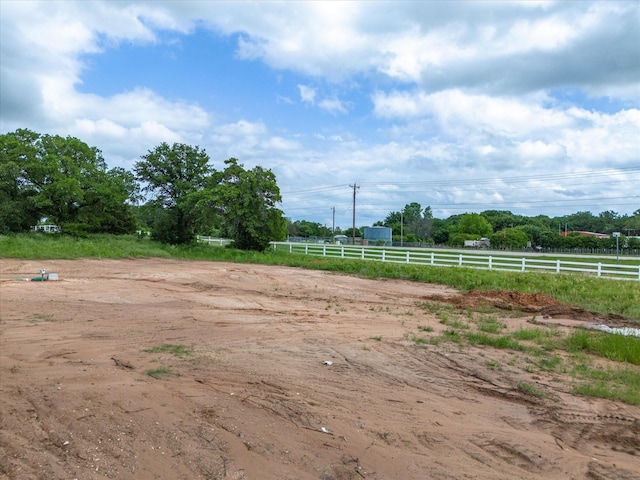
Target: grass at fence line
[590,293]
[51,246]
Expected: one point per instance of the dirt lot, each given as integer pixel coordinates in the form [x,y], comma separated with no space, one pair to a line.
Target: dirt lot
[278,373]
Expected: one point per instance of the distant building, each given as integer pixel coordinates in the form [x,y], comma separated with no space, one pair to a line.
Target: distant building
[342,239]
[377,236]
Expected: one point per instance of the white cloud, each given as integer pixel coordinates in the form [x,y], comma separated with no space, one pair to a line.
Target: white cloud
[333,105]
[433,90]
[242,128]
[307,94]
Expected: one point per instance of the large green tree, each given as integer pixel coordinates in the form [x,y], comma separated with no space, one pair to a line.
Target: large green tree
[474,224]
[248,201]
[174,177]
[510,237]
[413,222]
[64,180]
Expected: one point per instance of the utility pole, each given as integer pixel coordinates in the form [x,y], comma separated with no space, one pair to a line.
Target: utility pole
[333,225]
[353,230]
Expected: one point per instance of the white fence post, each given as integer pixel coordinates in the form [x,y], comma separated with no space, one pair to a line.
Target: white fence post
[604,270]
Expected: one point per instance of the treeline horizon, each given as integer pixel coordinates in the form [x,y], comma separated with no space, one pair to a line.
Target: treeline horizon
[415,224]
[174,192]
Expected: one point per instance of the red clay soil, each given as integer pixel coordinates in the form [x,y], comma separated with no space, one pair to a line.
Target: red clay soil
[165,369]
[539,303]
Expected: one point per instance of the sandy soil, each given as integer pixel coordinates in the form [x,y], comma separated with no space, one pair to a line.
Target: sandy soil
[82,395]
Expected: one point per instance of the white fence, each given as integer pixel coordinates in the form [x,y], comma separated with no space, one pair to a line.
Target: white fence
[214,241]
[451,259]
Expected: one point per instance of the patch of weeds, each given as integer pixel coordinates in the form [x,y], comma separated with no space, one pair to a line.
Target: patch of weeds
[419,340]
[432,307]
[377,338]
[531,390]
[159,372]
[41,317]
[458,324]
[551,363]
[425,328]
[619,348]
[493,365]
[176,350]
[15,369]
[619,384]
[536,335]
[490,325]
[452,335]
[505,342]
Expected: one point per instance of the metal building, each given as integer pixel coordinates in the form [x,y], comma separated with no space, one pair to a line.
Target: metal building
[377,236]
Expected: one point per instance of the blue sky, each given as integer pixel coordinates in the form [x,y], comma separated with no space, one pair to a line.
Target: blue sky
[527,106]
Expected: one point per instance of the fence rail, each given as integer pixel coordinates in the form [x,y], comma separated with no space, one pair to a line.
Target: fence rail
[214,240]
[449,259]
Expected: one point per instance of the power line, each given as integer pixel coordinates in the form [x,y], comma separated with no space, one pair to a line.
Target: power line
[481,181]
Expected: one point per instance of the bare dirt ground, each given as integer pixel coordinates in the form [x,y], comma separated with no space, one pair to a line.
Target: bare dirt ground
[253,396]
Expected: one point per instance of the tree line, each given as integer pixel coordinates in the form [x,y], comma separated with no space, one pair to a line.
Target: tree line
[417,225]
[173,191]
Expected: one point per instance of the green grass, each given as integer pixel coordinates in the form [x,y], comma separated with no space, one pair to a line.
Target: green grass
[176,350]
[620,384]
[504,341]
[619,348]
[159,372]
[547,349]
[490,325]
[531,390]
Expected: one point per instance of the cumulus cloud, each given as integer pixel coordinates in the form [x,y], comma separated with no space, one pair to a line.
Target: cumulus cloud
[436,90]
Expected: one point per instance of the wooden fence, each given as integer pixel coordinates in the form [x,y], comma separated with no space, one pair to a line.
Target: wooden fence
[485,261]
